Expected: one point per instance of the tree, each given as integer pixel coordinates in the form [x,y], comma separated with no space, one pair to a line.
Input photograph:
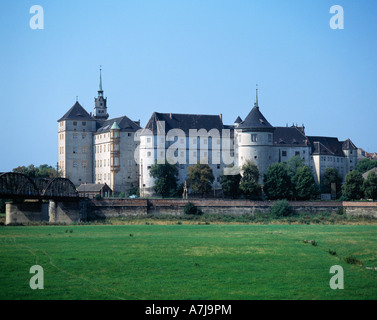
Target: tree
[353,186]
[365,165]
[166,176]
[305,187]
[277,182]
[249,181]
[200,178]
[331,175]
[370,186]
[43,171]
[293,164]
[231,185]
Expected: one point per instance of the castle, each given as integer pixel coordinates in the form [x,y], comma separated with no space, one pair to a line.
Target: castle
[119,152]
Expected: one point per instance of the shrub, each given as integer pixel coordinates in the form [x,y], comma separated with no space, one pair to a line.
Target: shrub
[190,209]
[281,208]
[353,260]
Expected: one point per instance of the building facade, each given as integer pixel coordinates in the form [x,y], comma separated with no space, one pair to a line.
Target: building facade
[119,153]
[95,149]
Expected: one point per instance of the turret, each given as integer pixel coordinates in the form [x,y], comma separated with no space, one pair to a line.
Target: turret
[100,103]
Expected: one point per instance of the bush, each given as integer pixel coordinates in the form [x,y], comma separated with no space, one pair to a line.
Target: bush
[352,260]
[281,208]
[190,209]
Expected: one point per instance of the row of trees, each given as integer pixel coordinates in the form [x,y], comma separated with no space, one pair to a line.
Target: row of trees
[291,180]
[287,180]
[42,171]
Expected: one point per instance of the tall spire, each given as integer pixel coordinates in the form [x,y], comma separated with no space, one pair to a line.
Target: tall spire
[100,108]
[100,80]
[256,97]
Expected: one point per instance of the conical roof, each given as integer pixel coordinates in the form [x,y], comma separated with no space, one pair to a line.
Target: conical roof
[238,120]
[115,126]
[255,120]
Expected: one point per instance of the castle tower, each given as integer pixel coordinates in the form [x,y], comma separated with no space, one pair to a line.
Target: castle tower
[100,103]
[75,143]
[254,138]
[114,153]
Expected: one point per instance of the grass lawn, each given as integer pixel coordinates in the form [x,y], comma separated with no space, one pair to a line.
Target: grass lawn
[216,261]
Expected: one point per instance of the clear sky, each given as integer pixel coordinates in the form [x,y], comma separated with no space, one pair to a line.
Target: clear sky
[186,56]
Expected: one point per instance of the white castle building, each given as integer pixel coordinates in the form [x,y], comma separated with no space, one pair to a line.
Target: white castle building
[118,152]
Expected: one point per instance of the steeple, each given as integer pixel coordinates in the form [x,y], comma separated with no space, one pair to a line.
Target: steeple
[256,98]
[100,91]
[100,108]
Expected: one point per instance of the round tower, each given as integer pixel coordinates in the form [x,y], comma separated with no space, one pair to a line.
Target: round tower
[254,138]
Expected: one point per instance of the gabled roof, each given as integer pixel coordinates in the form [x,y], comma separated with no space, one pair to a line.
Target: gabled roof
[289,136]
[92,187]
[255,120]
[348,145]
[365,175]
[77,112]
[326,146]
[184,122]
[124,123]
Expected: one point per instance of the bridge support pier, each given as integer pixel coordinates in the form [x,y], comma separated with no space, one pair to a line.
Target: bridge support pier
[53,212]
[25,212]
[66,212]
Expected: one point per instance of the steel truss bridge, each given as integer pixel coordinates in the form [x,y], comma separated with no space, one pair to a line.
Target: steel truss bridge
[17,186]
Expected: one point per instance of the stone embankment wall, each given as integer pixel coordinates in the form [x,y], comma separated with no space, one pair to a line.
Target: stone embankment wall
[119,208]
[69,212]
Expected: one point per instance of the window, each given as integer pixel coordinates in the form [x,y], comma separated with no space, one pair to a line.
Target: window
[83,136]
[284,153]
[83,163]
[269,137]
[74,149]
[75,163]
[75,136]
[129,134]
[148,154]
[254,138]
[83,123]
[148,140]
[205,141]
[75,123]
[297,153]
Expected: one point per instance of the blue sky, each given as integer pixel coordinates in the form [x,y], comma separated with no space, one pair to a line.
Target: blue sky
[186,56]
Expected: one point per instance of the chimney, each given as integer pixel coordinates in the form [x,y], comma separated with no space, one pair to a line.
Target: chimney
[171,116]
[221,116]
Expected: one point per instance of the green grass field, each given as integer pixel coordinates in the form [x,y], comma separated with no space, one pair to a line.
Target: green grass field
[187,261]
